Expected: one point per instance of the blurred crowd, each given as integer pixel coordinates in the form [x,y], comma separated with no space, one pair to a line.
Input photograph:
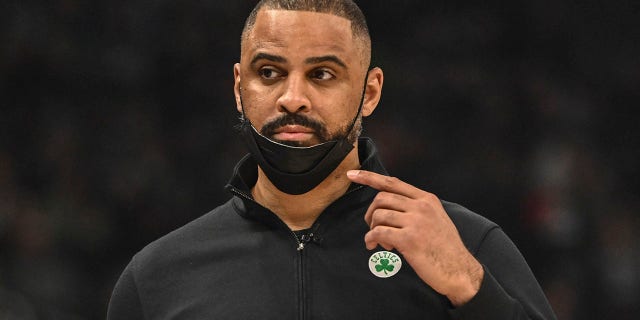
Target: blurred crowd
[117,126]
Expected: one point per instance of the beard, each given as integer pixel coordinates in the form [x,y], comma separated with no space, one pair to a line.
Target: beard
[319,129]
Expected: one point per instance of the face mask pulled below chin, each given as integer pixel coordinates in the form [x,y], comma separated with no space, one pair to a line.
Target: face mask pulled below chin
[294,170]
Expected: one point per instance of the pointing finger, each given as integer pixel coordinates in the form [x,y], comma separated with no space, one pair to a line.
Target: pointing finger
[384,183]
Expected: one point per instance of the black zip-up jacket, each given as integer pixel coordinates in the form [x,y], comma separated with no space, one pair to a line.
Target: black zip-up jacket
[240,261]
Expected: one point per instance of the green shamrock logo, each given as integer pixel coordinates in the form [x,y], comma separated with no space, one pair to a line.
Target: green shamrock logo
[384,266]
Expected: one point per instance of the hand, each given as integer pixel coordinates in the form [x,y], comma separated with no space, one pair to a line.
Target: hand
[414,222]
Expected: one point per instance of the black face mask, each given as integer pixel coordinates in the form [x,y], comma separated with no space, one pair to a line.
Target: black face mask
[296,170]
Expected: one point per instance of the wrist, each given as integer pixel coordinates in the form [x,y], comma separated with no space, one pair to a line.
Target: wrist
[468,285]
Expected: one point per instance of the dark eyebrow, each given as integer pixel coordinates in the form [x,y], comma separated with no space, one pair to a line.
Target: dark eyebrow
[266,56]
[329,58]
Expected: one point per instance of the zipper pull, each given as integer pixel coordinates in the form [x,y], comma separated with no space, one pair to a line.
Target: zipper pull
[304,239]
[307,238]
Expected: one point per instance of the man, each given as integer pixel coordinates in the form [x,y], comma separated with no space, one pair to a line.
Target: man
[315,228]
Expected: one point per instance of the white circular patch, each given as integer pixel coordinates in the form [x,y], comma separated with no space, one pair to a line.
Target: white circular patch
[384,264]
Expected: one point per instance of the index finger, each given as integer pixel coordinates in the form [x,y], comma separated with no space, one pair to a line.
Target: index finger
[384,183]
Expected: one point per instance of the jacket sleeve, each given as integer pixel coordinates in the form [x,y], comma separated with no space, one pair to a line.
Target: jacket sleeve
[509,290]
[125,300]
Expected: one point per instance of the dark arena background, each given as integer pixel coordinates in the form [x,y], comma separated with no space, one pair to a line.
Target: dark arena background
[116,126]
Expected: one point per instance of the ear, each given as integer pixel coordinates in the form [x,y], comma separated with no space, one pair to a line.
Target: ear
[373,91]
[236,86]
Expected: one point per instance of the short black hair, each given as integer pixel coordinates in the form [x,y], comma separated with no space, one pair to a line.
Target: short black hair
[342,8]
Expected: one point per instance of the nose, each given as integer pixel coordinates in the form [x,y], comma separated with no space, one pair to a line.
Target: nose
[295,97]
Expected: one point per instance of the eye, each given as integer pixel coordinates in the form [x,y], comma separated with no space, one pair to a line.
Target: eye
[269,73]
[322,74]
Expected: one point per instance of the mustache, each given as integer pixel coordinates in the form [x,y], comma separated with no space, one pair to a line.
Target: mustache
[269,128]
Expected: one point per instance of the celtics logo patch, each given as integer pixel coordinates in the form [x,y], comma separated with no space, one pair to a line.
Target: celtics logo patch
[384,264]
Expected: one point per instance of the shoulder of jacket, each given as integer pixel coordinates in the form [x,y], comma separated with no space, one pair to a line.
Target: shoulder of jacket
[185,236]
[471,226]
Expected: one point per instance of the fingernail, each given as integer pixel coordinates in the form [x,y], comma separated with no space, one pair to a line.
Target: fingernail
[352,173]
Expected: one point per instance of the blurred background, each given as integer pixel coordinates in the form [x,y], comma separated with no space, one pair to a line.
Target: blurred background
[116,126]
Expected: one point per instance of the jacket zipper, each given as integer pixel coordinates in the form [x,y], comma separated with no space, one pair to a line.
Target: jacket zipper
[300,252]
[300,249]
[301,283]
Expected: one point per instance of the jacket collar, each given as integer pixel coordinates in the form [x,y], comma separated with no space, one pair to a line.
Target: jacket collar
[245,175]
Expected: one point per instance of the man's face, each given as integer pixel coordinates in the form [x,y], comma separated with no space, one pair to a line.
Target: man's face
[300,76]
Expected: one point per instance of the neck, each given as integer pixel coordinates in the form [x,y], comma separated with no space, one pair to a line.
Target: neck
[300,211]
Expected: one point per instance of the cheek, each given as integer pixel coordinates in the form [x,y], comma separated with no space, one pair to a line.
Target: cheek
[257,105]
[347,106]
[254,115]
[340,116]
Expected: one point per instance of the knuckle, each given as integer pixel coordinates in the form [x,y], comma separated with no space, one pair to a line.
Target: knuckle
[381,198]
[425,206]
[379,232]
[372,234]
[390,181]
[375,219]
[429,199]
[380,215]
